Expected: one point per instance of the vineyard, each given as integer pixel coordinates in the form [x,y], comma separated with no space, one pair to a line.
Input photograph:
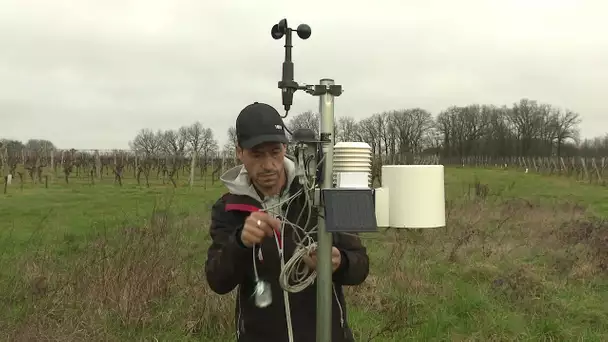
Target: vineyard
[582,169]
[114,166]
[96,166]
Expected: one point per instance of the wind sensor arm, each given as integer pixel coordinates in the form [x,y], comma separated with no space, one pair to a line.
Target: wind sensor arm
[287,83]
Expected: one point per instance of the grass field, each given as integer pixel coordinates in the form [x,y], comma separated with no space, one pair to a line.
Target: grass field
[98,262]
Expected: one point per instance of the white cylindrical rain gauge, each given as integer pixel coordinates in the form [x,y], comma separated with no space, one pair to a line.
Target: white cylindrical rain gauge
[352,165]
[416,195]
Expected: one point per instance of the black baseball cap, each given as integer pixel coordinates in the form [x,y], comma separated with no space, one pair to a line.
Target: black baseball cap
[259,123]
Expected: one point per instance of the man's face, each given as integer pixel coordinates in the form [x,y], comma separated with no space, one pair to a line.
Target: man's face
[264,163]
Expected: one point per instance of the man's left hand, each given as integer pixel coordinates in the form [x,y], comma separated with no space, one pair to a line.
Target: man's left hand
[336,259]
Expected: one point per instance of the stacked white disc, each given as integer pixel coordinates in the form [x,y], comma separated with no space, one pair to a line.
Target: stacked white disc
[353,157]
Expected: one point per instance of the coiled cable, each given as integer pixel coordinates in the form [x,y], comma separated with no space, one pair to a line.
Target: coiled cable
[295,274]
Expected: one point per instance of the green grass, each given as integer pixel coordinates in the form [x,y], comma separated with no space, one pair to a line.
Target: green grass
[531,186]
[100,262]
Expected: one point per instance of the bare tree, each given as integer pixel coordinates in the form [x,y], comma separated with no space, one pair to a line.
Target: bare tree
[232,140]
[380,126]
[196,135]
[346,129]
[147,142]
[464,129]
[174,146]
[174,143]
[498,140]
[526,121]
[411,126]
[148,145]
[209,148]
[307,120]
[367,132]
[565,126]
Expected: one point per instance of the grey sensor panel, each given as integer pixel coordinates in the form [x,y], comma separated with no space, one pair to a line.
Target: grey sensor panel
[349,210]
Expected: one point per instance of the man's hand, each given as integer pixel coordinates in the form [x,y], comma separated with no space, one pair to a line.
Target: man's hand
[336,259]
[257,226]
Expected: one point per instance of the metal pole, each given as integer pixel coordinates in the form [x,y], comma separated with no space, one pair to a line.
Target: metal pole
[324,267]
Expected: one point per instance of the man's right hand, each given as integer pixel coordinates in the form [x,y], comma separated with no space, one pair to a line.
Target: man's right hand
[257,226]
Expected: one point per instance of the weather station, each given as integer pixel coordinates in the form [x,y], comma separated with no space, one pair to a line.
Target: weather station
[337,179]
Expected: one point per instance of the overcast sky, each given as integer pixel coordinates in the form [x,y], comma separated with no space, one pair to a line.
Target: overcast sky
[91,73]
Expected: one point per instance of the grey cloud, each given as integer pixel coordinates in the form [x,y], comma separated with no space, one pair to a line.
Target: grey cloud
[90,74]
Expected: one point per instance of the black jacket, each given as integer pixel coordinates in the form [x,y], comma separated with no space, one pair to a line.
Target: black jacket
[229,265]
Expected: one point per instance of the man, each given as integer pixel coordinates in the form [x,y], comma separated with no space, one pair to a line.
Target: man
[267,178]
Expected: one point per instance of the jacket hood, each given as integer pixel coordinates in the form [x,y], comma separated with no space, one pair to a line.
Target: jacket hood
[237,180]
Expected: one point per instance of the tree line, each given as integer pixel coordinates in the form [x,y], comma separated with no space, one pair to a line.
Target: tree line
[526,128]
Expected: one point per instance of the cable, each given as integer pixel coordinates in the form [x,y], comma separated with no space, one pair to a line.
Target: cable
[295,274]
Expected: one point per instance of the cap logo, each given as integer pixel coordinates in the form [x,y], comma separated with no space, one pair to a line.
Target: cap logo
[279,127]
